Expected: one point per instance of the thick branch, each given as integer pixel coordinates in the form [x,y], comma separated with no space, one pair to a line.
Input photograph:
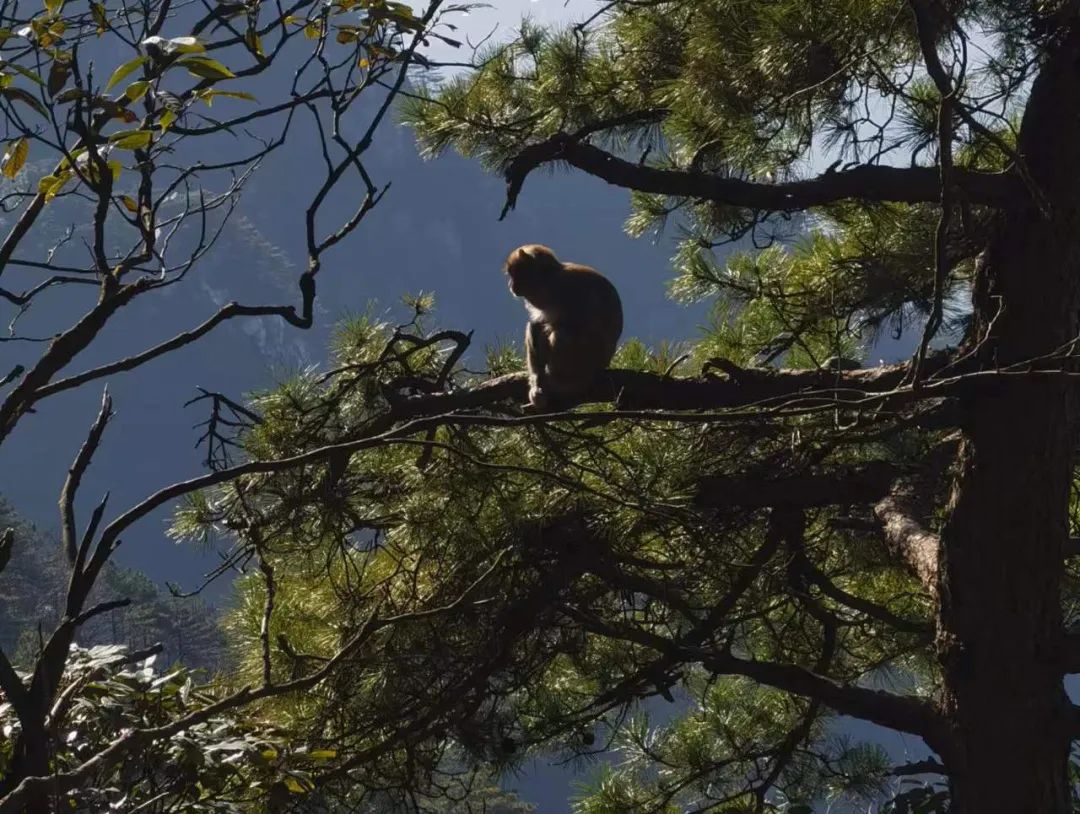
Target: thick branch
[15,691]
[907,538]
[866,183]
[903,714]
[856,484]
[631,389]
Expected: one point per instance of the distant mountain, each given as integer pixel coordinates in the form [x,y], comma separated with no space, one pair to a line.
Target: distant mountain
[32,590]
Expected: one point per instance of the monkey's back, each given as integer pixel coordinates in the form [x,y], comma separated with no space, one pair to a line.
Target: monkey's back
[596,305]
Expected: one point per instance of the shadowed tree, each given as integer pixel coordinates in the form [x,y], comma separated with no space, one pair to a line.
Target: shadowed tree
[439,584]
[943,134]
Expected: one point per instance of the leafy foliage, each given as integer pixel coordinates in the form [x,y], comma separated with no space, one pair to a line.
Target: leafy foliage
[521,576]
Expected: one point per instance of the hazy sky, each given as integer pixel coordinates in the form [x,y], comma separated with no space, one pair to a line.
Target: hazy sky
[504,12]
[504,15]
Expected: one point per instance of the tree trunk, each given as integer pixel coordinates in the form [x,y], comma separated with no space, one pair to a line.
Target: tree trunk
[1000,620]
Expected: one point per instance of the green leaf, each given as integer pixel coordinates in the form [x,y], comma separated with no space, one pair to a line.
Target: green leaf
[131,139]
[15,157]
[166,120]
[124,70]
[323,754]
[206,68]
[137,90]
[20,95]
[129,203]
[19,69]
[251,38]
[97,10]
[210,94]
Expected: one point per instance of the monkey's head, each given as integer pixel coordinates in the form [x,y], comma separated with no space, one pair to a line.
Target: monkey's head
[530,270]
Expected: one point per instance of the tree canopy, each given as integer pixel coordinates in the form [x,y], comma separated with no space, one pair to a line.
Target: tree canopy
[759,533]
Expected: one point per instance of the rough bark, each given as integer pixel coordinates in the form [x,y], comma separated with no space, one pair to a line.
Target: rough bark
[1000,618]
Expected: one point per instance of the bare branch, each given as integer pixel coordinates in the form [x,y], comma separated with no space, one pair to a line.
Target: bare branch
[227,312]
[75,474]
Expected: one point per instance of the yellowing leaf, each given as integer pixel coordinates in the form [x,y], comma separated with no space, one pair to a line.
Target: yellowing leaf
[166,120]
[269,754]
[294,785]
[50,185]
[174,46]
[123,71]
[322,754]
[73,155]
[206,68]
[313,30]
[185,45]
[131,139]
[15,157]
[115,167]
[54,6]
[129,203]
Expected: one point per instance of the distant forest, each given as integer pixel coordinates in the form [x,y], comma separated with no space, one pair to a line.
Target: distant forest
[32,594]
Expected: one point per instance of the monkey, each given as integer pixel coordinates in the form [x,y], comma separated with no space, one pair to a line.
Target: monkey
[575,321]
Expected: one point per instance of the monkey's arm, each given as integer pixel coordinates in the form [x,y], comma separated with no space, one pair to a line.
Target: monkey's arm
[537,352]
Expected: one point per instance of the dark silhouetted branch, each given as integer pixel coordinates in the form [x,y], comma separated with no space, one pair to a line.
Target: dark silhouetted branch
[866,183]
[857,484]
[902,713]
[75,474]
